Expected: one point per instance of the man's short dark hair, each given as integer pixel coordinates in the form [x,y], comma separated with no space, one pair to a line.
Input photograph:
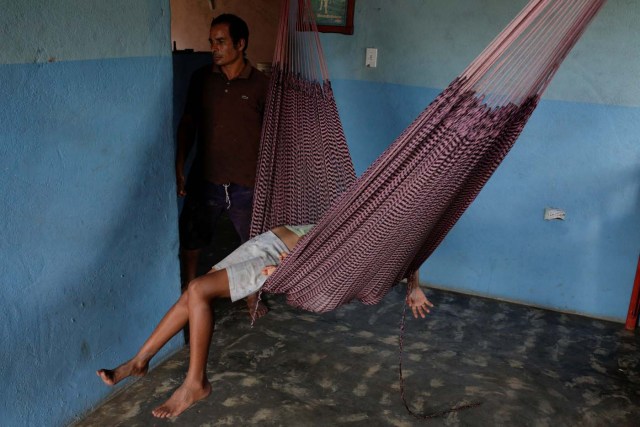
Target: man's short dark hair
[238,29]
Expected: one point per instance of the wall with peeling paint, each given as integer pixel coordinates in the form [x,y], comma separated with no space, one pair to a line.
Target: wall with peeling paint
[88,232]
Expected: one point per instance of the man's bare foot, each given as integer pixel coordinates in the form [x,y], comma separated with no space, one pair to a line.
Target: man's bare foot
[257,308]
[181,400]
[131,368]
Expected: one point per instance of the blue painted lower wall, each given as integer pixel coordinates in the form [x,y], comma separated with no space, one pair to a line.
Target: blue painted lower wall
[582,158]
[89,238]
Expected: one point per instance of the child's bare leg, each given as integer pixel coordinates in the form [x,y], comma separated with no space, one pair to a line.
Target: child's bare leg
[202,291]
[172,322]
[256,308]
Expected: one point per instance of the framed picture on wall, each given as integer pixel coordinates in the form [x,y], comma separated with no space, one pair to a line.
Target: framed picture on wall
[334,16]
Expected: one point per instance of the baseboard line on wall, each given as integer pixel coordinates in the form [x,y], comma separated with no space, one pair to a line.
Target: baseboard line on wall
[518,302]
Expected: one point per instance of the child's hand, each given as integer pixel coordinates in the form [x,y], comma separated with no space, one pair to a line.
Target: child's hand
[268,270]
[420,305]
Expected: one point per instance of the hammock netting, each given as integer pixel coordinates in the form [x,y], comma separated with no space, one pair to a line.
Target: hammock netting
[393,217]
[304,162]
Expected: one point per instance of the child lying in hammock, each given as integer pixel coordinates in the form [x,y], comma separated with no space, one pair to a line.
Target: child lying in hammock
[242,273]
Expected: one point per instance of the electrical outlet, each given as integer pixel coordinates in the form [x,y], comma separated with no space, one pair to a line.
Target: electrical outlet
[371,58]
[553,213]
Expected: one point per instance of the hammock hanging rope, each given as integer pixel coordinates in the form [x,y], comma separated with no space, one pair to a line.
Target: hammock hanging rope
[387,224]
[304,162]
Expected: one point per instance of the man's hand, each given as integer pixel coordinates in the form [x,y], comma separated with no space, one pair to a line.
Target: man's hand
[186,136]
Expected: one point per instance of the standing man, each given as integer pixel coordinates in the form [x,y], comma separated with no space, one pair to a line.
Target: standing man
[224,110]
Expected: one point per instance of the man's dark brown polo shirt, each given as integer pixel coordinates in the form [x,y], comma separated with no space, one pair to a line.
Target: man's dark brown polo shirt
[228,117]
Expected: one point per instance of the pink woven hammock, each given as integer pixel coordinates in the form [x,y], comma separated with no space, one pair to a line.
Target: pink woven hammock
[387,224]
[304,162]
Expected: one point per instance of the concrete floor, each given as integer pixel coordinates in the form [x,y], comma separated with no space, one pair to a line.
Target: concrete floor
[525,366]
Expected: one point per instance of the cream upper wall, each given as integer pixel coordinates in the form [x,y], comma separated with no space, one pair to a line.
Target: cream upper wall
[190,20]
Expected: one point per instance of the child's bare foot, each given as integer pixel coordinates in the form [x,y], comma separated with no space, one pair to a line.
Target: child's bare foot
[181,400]
[131,368]
[257,308]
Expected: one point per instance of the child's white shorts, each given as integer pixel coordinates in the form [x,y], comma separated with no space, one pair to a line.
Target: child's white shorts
[244,265]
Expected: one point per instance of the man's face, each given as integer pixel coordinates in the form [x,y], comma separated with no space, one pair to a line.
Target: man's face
[222,48]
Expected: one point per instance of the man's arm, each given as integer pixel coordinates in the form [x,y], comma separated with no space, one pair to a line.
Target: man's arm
[186,136]
[187,127]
